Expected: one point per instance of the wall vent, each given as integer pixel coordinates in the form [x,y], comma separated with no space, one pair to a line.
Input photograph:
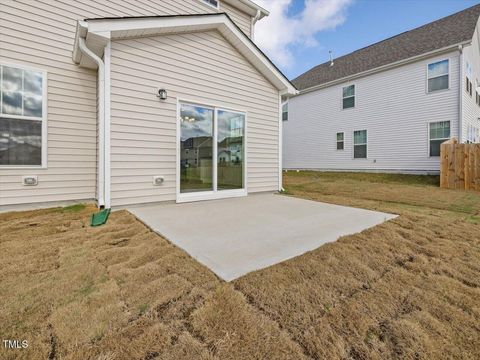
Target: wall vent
[31,180]
[158,180]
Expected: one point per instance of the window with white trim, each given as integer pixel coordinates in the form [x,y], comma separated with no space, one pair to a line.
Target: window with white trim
[438,77]
[439,132]
[22,116]
[214,3]
[285,111]
[348,96]
[340,141]
[472,134]
[360,144]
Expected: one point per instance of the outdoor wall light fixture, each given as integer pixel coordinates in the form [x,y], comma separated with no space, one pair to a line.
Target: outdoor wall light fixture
[162,94]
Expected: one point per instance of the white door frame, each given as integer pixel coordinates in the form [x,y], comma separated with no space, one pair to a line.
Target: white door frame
[215,194]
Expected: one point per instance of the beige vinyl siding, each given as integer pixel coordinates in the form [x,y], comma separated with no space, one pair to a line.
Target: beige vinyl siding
[243,20]
[41,34]
[200,67]
[71,106]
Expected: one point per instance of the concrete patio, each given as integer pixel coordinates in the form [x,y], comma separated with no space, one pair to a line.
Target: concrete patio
[235,236]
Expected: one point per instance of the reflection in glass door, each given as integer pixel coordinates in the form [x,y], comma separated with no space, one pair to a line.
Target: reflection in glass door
[230,150]
[196,149]
[212,152]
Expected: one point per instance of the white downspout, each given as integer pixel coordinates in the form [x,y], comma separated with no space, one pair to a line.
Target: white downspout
[254,21]
[101,120]
[460,104]
[280,144]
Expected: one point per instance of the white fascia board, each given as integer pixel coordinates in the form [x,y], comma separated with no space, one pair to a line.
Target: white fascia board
[150,26]
[154,22]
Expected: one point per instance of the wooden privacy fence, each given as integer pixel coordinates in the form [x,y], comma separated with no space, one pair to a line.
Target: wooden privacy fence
[460,167]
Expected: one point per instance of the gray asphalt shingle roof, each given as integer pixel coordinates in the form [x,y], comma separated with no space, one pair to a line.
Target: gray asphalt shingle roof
[445,32]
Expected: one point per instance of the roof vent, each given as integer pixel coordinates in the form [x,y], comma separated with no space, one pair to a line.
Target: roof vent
[331,58]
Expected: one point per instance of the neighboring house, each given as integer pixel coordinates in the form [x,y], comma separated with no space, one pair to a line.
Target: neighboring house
[99,98]
[389,106]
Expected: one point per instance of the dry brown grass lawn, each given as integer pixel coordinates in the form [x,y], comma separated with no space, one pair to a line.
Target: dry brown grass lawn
[407,289]
[119,292]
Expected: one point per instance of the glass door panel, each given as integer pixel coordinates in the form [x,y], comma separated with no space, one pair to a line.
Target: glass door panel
[230,150]
[196,148]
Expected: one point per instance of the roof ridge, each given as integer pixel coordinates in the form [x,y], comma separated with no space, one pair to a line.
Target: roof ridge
[393,37]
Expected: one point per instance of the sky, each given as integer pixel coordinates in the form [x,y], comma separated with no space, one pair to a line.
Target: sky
[299,34]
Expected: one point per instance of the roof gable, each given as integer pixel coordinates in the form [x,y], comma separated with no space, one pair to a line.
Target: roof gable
[449,31]
[98,32]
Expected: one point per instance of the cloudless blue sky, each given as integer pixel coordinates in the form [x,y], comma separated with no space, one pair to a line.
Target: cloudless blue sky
[367,22]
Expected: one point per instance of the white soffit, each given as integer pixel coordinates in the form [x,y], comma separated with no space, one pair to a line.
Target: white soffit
[100,31]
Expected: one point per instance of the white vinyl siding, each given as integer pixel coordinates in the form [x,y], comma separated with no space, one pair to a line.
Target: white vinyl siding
[396,120]
[470,109]
[143,139]
[40,34]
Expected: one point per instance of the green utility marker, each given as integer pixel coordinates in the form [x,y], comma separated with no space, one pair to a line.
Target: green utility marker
[100,218]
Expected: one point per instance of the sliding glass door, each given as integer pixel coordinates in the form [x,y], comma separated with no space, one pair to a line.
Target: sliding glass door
[196,149]
[212,152]
[230,150]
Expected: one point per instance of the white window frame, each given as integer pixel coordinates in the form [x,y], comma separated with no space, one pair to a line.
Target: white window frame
[43,119]
[428,132]
[434,77]
[338,141]
[215,193]
[353,143]
[283,104]
[206,2]
[354,96]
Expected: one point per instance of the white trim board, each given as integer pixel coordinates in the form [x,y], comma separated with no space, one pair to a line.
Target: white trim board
[107,119]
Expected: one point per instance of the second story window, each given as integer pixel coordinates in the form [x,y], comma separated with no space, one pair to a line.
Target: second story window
[438,76]
[469,86]
[349,97]
[213,3]
[285,112]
